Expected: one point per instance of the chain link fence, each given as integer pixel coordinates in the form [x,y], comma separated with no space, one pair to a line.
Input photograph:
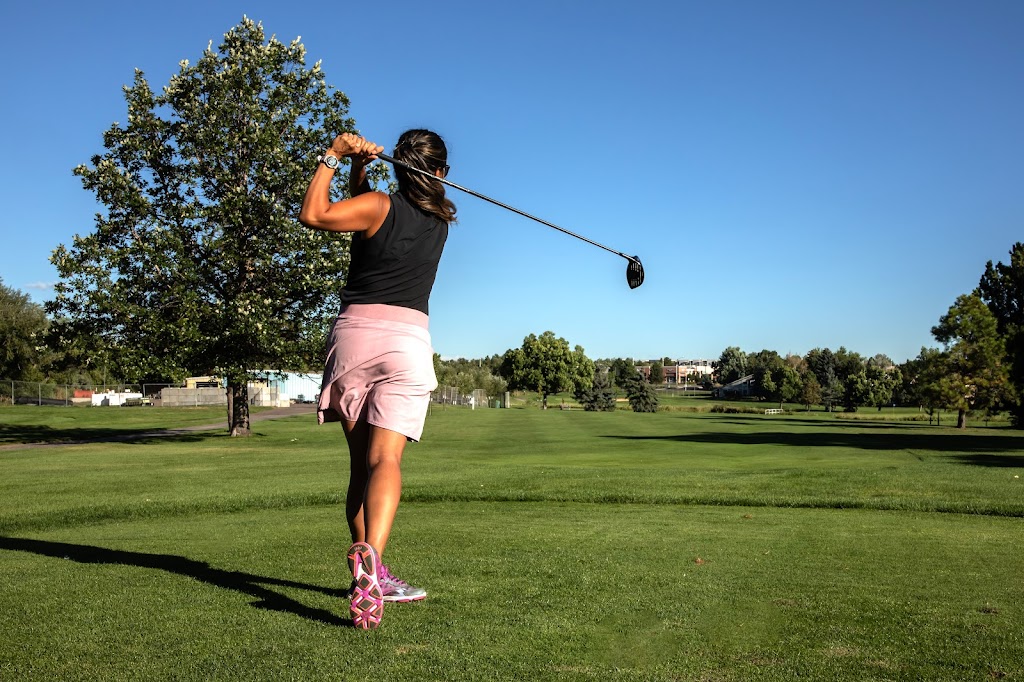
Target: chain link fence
[41,393]
[476,398]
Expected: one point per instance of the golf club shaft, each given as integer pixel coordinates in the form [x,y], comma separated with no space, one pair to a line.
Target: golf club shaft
[396,162]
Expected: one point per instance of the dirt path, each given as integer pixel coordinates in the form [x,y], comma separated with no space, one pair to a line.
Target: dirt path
[276,413]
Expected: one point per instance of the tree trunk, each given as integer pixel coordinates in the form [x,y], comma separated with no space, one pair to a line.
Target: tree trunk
[238,408]
[544,402]
[961,419]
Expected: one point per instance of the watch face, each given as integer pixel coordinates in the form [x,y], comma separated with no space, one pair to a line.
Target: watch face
[331,162]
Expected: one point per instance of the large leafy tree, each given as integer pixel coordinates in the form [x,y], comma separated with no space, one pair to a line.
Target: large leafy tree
[766,366]
[732,365]
[197,265]
[776,379]
[622,371]
[933,385]
[23,327]
[821,363]
[975,377]
[1002,289]
[850,371]
[657,373]
[547,365]
[881,379]
[839,375]
[810,390]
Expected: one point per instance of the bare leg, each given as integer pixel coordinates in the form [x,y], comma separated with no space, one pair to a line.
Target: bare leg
[358,436]
[371,514]
[384,485]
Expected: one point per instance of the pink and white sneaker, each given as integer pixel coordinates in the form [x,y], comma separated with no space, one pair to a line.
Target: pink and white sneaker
[367,606]
[397,590]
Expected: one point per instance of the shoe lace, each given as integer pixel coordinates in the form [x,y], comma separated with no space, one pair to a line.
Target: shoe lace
[386,576]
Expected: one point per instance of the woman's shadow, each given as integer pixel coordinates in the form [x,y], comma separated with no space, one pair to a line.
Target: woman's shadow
[246,583]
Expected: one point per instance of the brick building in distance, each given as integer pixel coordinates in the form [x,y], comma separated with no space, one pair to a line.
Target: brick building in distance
[682,373]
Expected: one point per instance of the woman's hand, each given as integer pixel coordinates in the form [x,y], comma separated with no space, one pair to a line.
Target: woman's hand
[358,148]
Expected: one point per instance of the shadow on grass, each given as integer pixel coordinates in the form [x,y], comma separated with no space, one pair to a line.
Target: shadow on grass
[826,422]
[246,583]
[13,436]
[983,460]
[978,450]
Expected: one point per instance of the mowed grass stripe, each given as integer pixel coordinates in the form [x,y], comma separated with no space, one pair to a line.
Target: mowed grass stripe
[530,455]
[711,459]
[524,591]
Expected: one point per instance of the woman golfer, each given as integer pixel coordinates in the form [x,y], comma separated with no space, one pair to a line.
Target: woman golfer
[379,371]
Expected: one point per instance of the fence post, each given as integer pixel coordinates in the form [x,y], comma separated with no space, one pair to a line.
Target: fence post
[40,389]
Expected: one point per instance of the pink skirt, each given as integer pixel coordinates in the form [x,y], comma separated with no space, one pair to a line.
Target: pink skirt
[380,368]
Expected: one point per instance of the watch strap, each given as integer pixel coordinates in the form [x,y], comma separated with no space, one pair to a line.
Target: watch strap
[323,158]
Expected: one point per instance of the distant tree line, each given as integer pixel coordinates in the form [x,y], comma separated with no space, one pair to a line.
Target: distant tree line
[469,375]
[978,370]
[31,349]
[832,379]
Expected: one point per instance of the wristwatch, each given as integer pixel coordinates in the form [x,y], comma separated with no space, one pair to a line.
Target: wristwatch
[329,161]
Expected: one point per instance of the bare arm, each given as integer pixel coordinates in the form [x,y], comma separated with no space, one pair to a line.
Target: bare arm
[357,181]
[365,211]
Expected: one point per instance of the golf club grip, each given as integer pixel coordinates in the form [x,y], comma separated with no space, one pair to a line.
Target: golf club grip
[403,164]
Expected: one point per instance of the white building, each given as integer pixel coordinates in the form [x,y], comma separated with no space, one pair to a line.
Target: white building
[297,386]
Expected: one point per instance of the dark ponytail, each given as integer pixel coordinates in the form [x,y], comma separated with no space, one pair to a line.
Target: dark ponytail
[426,150]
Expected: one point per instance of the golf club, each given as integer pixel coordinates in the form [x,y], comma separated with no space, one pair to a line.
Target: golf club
[634,269]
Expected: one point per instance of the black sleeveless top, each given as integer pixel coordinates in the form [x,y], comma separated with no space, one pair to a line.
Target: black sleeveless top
[398,264]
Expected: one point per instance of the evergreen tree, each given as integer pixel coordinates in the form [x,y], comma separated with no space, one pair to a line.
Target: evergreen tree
[976,375]
[1002,290]
[600,396]
[641,395]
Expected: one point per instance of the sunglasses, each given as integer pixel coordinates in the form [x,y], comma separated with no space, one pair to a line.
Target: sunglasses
[444,171]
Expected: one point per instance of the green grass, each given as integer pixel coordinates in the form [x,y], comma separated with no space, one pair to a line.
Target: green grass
[555,545]
[34,424]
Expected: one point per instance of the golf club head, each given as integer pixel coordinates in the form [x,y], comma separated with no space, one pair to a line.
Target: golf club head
[634,272]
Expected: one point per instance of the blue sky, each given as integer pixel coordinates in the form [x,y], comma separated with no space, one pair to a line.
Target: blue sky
[792,174]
